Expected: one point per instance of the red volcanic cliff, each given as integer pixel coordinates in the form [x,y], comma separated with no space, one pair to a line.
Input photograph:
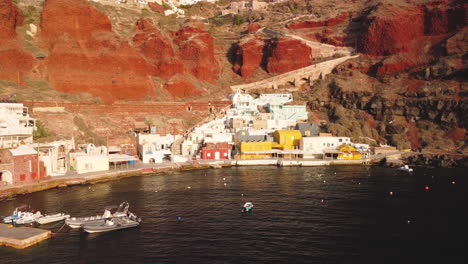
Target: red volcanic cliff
[180,87]
[288,55]
[249,56]
[191,52]
[15,63]
[196,51]
[157,50]
[156,7]
[442,17]
[86,56]
[390,30]
[252,27]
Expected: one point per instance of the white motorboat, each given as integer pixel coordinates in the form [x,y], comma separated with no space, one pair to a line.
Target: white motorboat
[27,217]
[45,219]
[17,213]
[248,206]
[22,215]
[405,168]
[76,222]
[112,224]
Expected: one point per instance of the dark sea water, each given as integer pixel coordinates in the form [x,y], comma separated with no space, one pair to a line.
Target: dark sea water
[359,221]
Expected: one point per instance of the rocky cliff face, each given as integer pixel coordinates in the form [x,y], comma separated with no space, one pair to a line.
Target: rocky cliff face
[288,55]
[86,56]
[15,62]
[249,56]
[273,55]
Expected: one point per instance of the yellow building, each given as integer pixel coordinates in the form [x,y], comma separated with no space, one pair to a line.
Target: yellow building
[287,139]
[256,150]
[348,152]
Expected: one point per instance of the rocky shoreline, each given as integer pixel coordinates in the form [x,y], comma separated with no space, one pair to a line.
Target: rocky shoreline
[437,161]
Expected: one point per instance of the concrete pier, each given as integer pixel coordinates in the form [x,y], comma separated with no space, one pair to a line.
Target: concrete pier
[22,237]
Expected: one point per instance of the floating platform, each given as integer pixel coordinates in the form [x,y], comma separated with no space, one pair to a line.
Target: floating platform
[22,237]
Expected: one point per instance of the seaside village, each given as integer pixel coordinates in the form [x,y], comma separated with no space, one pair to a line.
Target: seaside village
[271,129]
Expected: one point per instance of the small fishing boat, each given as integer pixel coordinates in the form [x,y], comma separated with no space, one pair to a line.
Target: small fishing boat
[27,217]
[405,168]
[22,215]
[17,213]
[76,222]
[45,219]
[248,206]
[112,224]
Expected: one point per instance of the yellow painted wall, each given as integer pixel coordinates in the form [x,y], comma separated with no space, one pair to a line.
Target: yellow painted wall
[349,153]
[352,155]
[287,138]
[255,146]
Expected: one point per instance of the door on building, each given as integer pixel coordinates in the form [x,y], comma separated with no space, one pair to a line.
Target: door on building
[217,156]
[7,177]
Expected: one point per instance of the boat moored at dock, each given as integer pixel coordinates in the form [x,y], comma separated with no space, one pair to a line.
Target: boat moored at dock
[45,219]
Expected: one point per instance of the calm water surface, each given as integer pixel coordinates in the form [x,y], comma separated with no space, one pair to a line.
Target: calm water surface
[357,222]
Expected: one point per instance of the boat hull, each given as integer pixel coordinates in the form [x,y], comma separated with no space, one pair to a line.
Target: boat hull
[103,228]
[51,218]
[78,222]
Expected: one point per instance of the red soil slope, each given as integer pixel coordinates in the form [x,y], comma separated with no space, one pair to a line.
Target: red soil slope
[15,63]
[288,55]
[249,56]
[85,55]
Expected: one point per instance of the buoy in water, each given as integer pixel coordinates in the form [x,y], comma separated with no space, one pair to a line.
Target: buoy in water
[179,218]
[426,188]
[225,184]
[391,193]
[453,182]
[408,222]
[224,179]
[189,187]
[322,201]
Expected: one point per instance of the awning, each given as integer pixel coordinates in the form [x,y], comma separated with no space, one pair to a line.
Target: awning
[120,158]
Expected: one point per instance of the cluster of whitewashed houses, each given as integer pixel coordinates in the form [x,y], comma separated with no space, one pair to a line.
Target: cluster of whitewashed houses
[269,126]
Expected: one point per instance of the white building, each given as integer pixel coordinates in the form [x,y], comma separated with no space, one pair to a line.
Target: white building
[16,126]
[91,159]
[84,163]
[314,147]
[153,148]
[279,105]
[55,156]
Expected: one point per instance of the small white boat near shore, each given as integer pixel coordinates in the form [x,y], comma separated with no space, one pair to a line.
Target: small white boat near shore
[405,168]
[77,222]
[27,217]
[112,224]
[45,219]
[248,207]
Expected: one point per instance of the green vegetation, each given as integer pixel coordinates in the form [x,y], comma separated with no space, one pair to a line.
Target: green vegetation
[238,20]
[145,12]
[292,6]
[166,6]
[40,131]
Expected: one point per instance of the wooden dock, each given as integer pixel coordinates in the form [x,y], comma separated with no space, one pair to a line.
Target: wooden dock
[22,237]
